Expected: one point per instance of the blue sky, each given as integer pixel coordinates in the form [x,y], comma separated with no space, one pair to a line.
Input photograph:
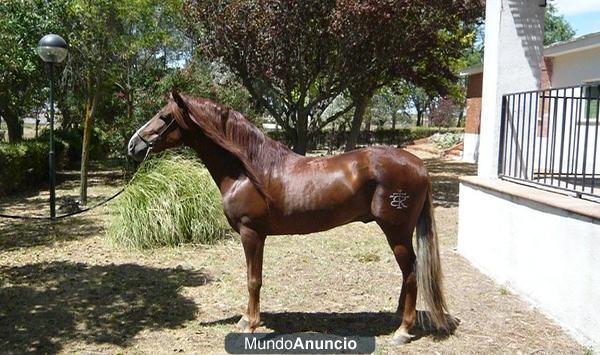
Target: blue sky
[583,15]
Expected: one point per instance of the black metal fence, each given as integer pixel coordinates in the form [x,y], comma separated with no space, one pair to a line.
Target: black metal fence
[549,138]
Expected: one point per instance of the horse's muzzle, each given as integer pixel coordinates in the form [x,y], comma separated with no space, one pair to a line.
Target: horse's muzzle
[137,149]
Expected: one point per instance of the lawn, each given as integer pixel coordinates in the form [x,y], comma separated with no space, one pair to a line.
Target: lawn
[65,289]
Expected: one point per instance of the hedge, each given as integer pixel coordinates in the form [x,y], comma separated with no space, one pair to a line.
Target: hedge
[396,137]
[25,164]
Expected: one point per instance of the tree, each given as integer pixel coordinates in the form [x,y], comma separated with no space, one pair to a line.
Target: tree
[390,103]
[474,54]
[295,57]
[112,42]
[556,28]
[420,100]
[148,30]
[93,33]
[282,53]
[443,112]
[22,74]
[426,54]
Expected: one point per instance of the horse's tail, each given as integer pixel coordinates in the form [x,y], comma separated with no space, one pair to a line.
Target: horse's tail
[429,269]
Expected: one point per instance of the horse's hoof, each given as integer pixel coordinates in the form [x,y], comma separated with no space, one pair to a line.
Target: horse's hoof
[400,339]
[242,324]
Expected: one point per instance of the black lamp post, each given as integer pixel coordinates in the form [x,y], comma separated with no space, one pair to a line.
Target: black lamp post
[52,49]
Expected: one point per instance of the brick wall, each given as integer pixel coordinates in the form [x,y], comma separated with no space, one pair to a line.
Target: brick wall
[545,83]
[546,77]
[474,85]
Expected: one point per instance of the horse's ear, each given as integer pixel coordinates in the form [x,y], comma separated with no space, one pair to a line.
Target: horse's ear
[184,111]
[178,99]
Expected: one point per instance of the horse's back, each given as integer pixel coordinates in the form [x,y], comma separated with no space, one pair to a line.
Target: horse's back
[386,164]
[318,193]
[395,165]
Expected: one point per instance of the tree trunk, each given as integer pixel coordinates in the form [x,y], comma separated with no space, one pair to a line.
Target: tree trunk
[359,113]
[90,111]
[130,106]
[368,130]
[331,139]
[15,128]
[460,117]
[13,125]
[129,94]
[301,143]
[419,118]
[394,119]
[67,118]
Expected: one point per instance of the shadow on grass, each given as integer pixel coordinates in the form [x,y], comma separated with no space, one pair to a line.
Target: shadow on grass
[15,234]
[358,323]
[445,179]
[45,305]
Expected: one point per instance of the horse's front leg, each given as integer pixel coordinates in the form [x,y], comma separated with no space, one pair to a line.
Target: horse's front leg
[253,248]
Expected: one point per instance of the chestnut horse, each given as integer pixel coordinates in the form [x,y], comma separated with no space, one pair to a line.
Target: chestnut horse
[269,190]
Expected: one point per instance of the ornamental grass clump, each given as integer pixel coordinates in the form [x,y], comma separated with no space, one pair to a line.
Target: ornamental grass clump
[171,200]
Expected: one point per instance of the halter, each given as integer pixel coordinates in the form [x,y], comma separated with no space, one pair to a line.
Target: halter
[150,143]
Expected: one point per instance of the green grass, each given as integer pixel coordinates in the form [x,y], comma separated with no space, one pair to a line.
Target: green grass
[171,200]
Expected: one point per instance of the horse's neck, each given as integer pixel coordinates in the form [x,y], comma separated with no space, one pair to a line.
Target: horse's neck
[216,161]
[225,168]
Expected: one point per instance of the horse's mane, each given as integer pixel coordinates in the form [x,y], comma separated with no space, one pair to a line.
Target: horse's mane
[258,154]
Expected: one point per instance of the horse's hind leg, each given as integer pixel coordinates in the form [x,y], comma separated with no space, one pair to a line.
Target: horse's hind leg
[399,238]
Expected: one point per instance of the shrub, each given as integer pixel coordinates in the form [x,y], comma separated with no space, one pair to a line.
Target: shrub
[25,164]
[171,200]
[407,135]
[446,140]
[74,140]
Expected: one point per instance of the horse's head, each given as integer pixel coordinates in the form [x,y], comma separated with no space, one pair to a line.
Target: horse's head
[164,130]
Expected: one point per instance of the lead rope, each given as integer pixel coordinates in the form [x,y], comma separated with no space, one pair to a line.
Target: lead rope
[101,203]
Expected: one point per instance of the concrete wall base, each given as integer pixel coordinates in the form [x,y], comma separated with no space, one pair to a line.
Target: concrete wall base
[546,254]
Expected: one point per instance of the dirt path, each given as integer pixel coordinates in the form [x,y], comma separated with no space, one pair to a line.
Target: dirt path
[65,289]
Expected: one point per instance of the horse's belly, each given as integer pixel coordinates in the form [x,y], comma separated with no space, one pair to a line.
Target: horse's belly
[310,223]
[320,219]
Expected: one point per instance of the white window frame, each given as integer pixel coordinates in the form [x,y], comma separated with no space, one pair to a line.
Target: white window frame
[583,119]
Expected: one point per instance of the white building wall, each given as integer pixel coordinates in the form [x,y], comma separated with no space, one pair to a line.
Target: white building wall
[513,53]
[470,148]
[545,254]
[576,68]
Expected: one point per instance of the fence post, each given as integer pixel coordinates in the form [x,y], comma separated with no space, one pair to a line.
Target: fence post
[502,136]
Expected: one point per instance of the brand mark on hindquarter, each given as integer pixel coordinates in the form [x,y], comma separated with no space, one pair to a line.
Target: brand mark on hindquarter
[398,199]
